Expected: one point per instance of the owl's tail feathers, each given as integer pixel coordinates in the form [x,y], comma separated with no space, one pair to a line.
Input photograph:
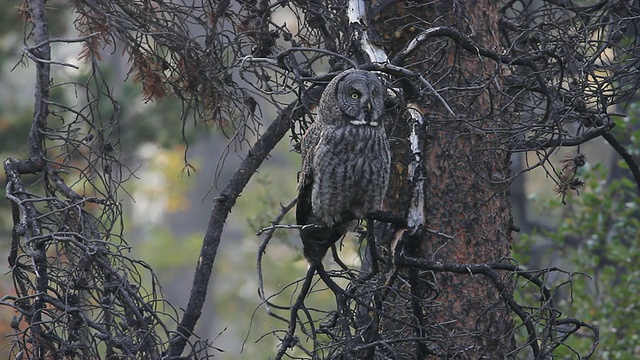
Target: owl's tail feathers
[317,239]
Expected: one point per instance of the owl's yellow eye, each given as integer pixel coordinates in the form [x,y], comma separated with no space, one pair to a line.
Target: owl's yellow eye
[355,95]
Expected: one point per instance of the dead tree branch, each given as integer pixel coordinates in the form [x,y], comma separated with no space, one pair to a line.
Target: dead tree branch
[223,204]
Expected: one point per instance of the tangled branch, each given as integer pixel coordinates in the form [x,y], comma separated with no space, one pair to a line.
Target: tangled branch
[566,79]
[353,329]
[78,293]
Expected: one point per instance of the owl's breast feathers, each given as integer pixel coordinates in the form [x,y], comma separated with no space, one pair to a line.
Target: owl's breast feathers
[344,176]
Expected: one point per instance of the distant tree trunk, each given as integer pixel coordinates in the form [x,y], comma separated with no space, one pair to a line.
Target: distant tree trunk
[466,211]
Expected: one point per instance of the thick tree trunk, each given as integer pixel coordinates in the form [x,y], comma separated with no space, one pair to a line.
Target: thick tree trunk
[467,215]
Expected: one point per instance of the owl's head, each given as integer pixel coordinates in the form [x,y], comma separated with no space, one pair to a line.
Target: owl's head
[359,97]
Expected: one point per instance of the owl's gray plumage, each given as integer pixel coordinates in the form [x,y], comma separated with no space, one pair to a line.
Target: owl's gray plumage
[345,161]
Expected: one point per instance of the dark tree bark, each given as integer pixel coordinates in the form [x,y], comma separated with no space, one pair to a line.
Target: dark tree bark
[465,216]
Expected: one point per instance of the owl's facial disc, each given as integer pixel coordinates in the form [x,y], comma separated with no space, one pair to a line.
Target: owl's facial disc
[362,97]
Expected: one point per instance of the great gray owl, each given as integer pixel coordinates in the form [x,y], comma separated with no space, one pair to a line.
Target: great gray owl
[345,161]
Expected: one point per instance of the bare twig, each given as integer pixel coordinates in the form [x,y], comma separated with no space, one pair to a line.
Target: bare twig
[263,246]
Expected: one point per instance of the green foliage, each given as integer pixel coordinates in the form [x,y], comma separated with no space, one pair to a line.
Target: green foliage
[598,234]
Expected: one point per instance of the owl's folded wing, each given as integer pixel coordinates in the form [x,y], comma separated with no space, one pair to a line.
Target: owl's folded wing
[305,186]
[305,177]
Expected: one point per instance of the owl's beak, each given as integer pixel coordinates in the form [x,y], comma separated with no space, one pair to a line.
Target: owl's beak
[367,112]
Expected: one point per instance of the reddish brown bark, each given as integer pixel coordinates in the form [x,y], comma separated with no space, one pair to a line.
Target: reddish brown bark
[464,169]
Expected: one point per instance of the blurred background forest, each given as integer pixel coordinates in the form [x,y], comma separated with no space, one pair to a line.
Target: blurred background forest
[594,235]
